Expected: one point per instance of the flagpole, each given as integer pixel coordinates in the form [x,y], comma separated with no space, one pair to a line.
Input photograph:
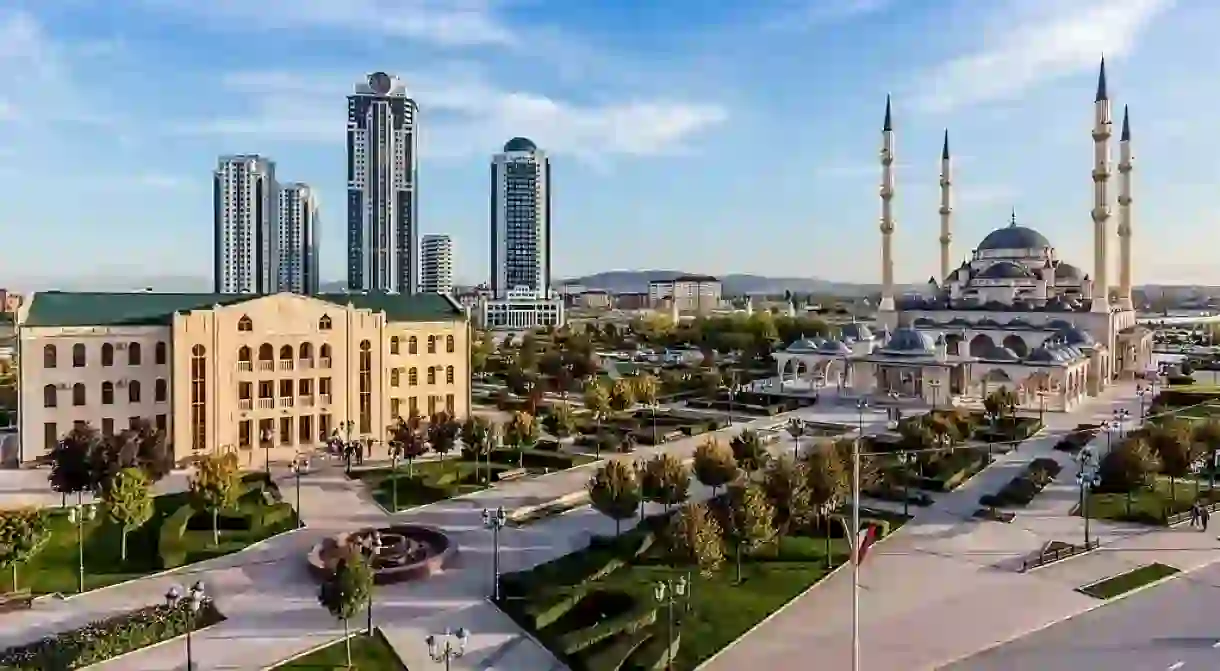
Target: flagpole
[855,537]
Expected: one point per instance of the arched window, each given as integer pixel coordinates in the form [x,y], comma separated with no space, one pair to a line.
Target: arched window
[412,376]
[133,354]
[431,344]
[243,354]
[431,374]
[324,351]
[286,353]
[412,345]
[266,352]
[49,358]
[107,393]
[394,345]
[199,398]
[448,374]
[324,323]
[160,390]
[366,387]
[107,354]
[50,396]
[78,394]
[449,345]
[245,323]
[133,391]
[160,353]
[306,350]
[78,355]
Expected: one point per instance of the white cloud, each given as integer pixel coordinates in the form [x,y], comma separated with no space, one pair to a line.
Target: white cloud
[462,114]
[450,23]
[816,13]
[1030,42]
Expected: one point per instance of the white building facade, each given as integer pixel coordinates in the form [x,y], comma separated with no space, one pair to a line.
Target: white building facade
[520,220]
[298,232]
[382,201]
[245,253]
[520,309]
[436,265]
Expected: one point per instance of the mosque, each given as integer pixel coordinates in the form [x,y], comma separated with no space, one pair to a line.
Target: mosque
[1014,315]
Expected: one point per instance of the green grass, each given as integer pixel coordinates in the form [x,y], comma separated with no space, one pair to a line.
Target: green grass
[1207,411]
[55,567]
[1125,582]
[1147,505]
[369,653]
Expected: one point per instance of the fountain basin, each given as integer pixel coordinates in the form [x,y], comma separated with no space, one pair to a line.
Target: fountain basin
[396,553]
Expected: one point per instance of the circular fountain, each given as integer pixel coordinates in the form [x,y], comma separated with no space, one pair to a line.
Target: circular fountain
[397,553]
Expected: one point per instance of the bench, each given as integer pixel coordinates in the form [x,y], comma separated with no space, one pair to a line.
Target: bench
[512,474]
[13,601]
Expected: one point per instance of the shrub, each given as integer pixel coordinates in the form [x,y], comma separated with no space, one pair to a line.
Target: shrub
[202,521]
[614,491]
[170,546]
[1127,467]
[627,623]
[547,445]
[654,653]
[613,656]
[534,458]
[547,610]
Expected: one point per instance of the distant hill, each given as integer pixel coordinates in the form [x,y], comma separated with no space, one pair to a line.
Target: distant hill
[626,281]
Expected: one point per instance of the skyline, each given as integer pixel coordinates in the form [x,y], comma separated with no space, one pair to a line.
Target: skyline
[633,117]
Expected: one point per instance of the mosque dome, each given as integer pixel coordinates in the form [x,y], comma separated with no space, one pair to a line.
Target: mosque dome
[1067,271]
[857,332]
[1014,237]
[912,341]
[803,345]
[1005,270]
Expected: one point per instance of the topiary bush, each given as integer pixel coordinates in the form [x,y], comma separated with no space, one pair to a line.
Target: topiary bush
[170,546]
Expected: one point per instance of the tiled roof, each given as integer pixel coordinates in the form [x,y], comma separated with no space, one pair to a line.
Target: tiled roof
[55,308]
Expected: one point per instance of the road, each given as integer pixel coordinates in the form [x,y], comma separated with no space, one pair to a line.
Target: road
[1172,627]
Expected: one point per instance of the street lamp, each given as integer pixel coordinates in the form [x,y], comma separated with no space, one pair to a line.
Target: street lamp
[1041,393]
[449,647]
[266,436]
[1120,418]
[796,429]
[668,592]
[495,520]
[906,460]
[192,600]
[78,515]
[1141,391]
[300,466]
[1088,478]
[861,406]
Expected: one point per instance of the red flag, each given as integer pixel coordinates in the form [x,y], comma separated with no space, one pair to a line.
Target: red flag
[864,540]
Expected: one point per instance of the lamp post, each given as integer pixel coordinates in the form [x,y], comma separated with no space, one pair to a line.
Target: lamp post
[192,600]
[861,406]
[448,647]
[300,466]
[796,429]
[495,520]
[906,460]
[1141,391]
[668,592]
[78,515]
[395,448]
[1120,418]
[1041,393]
[266,436]
[1088,478]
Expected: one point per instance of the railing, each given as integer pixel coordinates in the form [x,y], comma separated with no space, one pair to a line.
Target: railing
[1179,518]
[285,401]
[305,401]
[266,364]
[245,403]
[1058,554]
[245,366]
[324,399]
[324,362]
[285,364]
[266,403]
[306,363]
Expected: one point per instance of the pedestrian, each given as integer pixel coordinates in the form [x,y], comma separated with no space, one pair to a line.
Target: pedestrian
[1205,515]
[1194,515]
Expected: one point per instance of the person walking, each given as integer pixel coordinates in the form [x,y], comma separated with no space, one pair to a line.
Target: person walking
[1194,515]
[1204,516]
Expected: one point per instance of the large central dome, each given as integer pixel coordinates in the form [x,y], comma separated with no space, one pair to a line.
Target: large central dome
[1014,237]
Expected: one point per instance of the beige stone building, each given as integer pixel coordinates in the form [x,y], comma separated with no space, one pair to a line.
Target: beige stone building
[225,372]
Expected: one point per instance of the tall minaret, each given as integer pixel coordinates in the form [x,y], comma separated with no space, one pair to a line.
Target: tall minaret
[1124,215]
[887,212]
[1101,194]
[946,208]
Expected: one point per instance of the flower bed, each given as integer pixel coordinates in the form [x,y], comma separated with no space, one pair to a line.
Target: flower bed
[1021,490]
[109,638]
[1078,438]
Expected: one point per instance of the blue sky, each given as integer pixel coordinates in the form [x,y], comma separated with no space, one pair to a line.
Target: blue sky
[702,135]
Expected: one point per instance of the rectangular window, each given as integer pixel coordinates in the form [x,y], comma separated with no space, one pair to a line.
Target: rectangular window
[395,407]
[133,422]
[162,422]
[50,435]
[324,386]
[286,431]
[305,429]
[243,433]
[305,387]
[107,426]
[245,391]
[431,405]
[286,388]
[266,389]
[449,404]
[324,427]
[413,406]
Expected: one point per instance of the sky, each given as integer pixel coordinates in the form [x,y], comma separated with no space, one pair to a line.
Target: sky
[701,135]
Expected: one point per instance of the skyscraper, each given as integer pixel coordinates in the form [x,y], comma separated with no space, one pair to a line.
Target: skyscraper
[436,265]
[381,186]
[520,219]
[245,250]
[298,231]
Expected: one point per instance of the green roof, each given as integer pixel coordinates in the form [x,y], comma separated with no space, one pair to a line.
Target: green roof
[56,308]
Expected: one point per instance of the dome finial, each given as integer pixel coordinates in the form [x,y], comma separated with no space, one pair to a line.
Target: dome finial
[1012,219]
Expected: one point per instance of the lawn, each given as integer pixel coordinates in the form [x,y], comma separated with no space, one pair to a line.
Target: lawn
[1149,505]
[55,568]
[1125,582]
[369,653]
[716,612]
[1207,411]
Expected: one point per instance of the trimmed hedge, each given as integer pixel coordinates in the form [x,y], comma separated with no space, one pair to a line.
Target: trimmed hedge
[897,495]
[967,464]
[1176,398]
[640,616]
[652,654]
[1078,438]
[534,458]
[839,522]
[1021,490]
[613,656]
[170,546]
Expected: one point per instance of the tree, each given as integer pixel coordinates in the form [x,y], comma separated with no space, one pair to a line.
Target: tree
[826,486]
[476,436]
[559,421]
[23,534]
[216,486]
[521,433]
[597,400]
[787,489]
[442,433]
[72,461]
[645,388]
[714,464]
[750,520]
[143,446]
[1172,444]
[622,395]
[695,536]
[408,440]
[479,354]
[710,381]
[749,451]
[128,502]
[345,591]
[1000,404]
[614,491]
[1207,435]
[1127,467]
[665,480]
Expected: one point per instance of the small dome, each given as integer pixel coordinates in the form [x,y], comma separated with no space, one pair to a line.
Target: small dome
[958,322]
[519,144]
[1067,271]
[1018,323]
[1014,237]
[1001,354]
[802,345]
[912,341]
[1042,355]
[1074,336]
[834,347]
[858,332]
[1005,270]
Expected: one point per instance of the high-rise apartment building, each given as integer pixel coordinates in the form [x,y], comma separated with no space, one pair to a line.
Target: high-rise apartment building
[436,265]
[298,232]
[381,186]
[245,250]
[520,219]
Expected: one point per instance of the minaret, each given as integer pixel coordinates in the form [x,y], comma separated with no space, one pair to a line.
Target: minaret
[887,212]
[946,208]
[1101,194]
[1124,215]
